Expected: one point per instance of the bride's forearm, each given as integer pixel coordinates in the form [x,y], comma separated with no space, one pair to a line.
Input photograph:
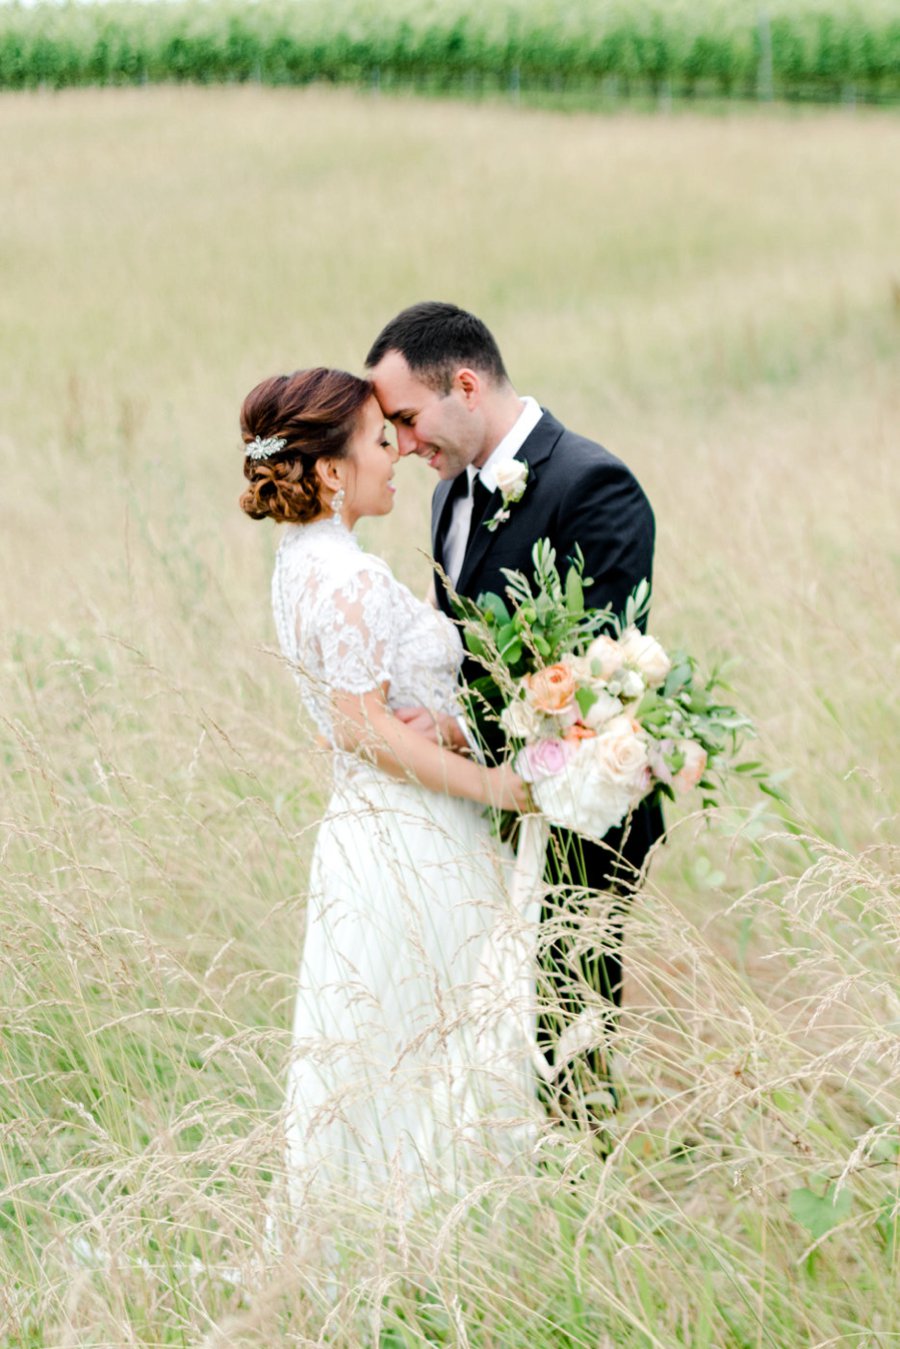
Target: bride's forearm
[365,725]
[441,727]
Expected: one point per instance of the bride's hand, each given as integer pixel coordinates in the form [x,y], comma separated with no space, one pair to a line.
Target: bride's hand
[507,791]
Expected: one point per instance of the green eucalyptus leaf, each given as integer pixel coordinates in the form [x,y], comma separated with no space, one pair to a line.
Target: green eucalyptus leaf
[585,698]
[676,679]
[574,592]
[493,605]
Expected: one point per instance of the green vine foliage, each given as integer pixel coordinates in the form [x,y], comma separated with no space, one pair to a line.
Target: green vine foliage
[817,49]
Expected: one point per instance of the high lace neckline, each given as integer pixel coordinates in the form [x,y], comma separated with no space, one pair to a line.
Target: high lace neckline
[327,526]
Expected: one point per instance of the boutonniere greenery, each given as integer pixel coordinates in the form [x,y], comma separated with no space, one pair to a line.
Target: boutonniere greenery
[512,479]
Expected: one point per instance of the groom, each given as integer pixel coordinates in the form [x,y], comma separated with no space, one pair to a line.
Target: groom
[441,381]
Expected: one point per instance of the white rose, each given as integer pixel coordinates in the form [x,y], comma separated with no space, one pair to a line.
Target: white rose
[628,683]
[581,797]
[520,720]
[646,655]
[606,653]
[603,710]
[605,777]
[624,725]
[511,477]
[579,665]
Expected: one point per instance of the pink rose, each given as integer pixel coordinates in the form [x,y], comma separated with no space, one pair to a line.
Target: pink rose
[543,759]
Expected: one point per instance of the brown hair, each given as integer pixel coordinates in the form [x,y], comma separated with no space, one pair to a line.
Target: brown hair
[435,339]
[315,412]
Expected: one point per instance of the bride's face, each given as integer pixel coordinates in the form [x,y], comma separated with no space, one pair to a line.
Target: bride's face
[370,467]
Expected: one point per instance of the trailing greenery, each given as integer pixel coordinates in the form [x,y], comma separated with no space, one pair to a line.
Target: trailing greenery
[820,49]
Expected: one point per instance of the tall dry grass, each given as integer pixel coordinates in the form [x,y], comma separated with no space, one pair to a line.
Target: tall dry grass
[713,298]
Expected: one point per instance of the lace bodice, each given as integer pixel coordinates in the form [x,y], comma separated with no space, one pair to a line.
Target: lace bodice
[346,624]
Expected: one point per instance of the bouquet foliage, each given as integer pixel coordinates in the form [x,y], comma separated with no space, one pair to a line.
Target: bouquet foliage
[597,716]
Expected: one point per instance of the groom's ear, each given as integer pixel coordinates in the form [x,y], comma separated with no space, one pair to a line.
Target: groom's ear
[468,383]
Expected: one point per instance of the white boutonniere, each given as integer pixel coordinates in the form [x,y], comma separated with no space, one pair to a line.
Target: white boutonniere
[512,479]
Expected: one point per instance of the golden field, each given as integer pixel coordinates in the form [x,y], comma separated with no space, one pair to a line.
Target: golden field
[715,297]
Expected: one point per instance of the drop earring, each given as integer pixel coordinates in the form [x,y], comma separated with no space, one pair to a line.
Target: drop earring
[337,505]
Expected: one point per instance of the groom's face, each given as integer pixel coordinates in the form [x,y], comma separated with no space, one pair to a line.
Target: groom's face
[443,429]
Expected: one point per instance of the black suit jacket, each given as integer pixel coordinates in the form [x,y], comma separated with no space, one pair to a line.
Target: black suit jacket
[577,493]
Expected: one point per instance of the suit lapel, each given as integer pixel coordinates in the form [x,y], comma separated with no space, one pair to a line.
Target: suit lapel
[534,451]
[440,506]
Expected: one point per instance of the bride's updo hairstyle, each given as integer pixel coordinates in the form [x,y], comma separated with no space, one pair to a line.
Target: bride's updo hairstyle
[315,412]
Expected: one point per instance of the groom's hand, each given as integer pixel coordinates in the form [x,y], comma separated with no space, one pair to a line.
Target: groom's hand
[437,727]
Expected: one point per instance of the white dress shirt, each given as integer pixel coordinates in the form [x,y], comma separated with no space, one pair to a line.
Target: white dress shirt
[461,519]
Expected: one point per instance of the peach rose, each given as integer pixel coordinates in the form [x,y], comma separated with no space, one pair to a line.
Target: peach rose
[578,731]
[693,768]
[552,689]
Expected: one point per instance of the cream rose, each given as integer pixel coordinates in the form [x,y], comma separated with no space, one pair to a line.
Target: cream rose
[579,665]
[511,477]
[622,755]
[605,653]
[625,725]
[646,655]
[520,720]
[603,710]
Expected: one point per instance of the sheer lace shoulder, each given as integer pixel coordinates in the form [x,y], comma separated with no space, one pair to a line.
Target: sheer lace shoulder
[356,645]
[348,625]
[333,608]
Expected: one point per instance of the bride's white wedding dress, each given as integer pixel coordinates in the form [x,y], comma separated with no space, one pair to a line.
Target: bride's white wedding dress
[412,1042]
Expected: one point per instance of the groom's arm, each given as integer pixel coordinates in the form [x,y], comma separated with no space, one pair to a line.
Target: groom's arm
[605,512]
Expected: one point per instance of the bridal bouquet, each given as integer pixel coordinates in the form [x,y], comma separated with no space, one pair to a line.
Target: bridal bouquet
[597,715]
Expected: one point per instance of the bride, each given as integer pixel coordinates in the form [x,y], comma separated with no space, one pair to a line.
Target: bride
[412,1057]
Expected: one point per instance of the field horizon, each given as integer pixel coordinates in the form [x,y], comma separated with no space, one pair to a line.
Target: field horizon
[716,298]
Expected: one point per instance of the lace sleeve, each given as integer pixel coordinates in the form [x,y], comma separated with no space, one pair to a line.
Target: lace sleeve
[357,633]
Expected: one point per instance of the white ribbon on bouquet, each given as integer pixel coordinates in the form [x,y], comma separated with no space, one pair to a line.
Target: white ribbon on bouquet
[508,964]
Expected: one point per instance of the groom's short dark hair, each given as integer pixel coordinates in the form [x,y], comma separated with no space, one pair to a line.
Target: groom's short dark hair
[436,339]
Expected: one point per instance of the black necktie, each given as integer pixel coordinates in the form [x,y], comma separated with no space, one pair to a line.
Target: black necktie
[459,488]
[480,497]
